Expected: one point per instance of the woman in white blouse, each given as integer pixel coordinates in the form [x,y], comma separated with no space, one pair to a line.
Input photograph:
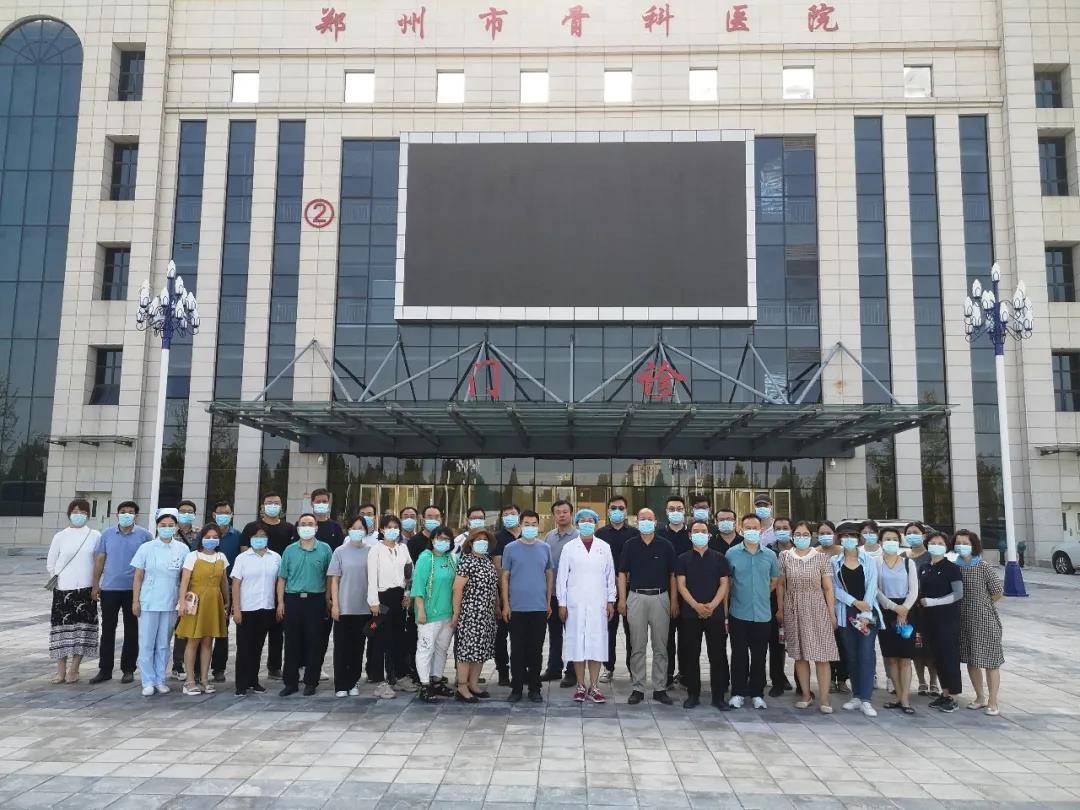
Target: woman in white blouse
[898,589]
[202,606]
[74,620]
[389,568]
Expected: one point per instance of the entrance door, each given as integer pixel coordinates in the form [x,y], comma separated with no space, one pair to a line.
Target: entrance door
[101,507]
[1070,513]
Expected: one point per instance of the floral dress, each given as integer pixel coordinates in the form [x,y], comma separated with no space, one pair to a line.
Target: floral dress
[475,638]
[980,624]
[808,629]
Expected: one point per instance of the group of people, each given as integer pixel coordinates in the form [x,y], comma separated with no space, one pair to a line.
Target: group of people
[403,588]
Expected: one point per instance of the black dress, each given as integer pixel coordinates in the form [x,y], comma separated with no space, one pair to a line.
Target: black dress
[475,638]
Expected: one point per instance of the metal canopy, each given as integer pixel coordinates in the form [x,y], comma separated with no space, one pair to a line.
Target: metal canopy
[582,429]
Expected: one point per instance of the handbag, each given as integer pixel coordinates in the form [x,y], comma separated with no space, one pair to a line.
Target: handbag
[191,603]
[372,625]
[50,585]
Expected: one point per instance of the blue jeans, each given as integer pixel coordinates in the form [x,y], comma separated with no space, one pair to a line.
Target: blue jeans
[860,656]
[155,626]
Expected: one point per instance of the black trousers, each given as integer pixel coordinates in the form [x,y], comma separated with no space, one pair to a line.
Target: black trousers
[393,662]
[940,630]
[410,644]
[690,634]
[612,633]
[349,642]
[749,641]
[250,638]
[526,629]
[305,618]
[113,604]
[555,662]
[838,669]
[502,657]
[777,651]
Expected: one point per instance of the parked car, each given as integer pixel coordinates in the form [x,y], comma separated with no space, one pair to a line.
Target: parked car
[1065,555]
[852,524]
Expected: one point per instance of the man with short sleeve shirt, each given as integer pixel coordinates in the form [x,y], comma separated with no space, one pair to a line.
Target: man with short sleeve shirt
[727,536]
[557,539]
[327,529]
[510,516]
[676,533]
[302,606]
[279,533]
[647,598]
[615,533]
[527,580]
[254,603]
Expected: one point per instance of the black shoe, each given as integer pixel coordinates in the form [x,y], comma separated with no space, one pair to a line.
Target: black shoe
[776,691]
[936,702]
[288,690]
[442,689]
[258,688]
[551,676]
[219,677]
[309,689]
[536,697]
[128,677]
[787,686]
[514,696]
[101,677]
[670,684]
[426,694]
[483,693]
[635,698]
[504,679]
[568,681]
[462,699]
[273,674]
[947,705]
[661,696]
[690,702]
[721,705]
[241,692]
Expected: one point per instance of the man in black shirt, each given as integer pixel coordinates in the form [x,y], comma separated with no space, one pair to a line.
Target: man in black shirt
[409,523]
[279,534]
[615,533]
[703,577]
[421,541]
[326,528]
[647,598]
[678,535]
[702,510]
[726,535]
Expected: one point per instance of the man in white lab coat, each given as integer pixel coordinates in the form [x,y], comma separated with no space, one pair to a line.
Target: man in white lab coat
[585,590]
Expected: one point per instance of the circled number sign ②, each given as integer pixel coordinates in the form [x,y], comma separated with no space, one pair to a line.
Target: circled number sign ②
[318,213]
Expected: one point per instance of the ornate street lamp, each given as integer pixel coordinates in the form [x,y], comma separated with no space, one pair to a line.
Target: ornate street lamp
[171,313]
[986,314]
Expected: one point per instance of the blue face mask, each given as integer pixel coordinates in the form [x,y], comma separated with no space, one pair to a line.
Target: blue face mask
[511,521]
[849,543]
[391,533]
[763,512]
[870,538]
[676,517]
[126,520]
[476,523]
[186,519]
[701,514]
[825,540]
[78,519]
[210,543]
[166,532]
[751,535]
[913,540]
[936,550]
[783,535]
[586,529]
[962,550]
[699,539]
[530,532]
[369,521]
[305,532]
[222,520]
[442,546]
[320,508]
[616,515]
[431,524]
[272,510]
[801,542]
[408,524]
[480,546]
[646,526]
[356,535]
[258,543]
[726,526]
[891,546]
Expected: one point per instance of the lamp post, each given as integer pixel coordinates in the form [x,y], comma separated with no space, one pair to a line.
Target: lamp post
[171,313]
[986,314]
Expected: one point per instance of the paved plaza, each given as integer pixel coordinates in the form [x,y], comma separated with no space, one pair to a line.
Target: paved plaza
[107,746]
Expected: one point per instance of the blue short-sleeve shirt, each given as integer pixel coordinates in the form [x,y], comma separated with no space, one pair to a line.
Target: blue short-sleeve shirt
[751,582]
[119,548]
[161,564]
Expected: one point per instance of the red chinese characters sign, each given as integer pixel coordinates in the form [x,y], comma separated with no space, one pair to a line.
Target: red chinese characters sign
[658,381]
[493,387]
[737,19]
[575,15]
[413,22]
[819,18]
[493,21]
[333,21]
[658,17]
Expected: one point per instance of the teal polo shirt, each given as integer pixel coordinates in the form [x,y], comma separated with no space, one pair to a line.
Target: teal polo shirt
[304,570]
[751,575]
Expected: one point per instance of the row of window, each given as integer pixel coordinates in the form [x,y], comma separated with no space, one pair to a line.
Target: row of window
[702,85]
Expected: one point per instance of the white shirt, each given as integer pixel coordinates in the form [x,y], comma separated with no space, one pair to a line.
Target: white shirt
[257,575]
[370,539]
[213,557]
[71,554]
[386,569]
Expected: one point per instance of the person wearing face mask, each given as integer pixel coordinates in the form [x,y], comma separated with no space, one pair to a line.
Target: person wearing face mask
[416,540]
[389,569]
[421,540]
[763,508]
[898,590]
[777,677]
[189,532]
[433,603]
[254,608]
[915,545]
[73,629]
[701,509]
[475,519]
[201,606]
[703,577]
[980,624]
[615,533]
[585,590]
[155,590]
[279,534]
[941,589]
[557,539]
[367,515]
[410,523]
[755,573]
[476,603]
[303,606]
[727,535]
[805,593]
[855,577]
[327,530]
[677,533]
[222,516]
[527,580]
[510,517]
[347,576]
[869,531]
[827,545]
[113,578]
[647,600]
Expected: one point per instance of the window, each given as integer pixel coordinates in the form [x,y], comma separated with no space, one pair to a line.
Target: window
[534,87]
[450,87]
[125,159]
[106,390]
[798,83]
[918,81]
[1066,370]
[1059,274]
[1053,167]
[703,84]
[360,87]
[114,276]
[618,86]
[1048,89]
[245,87]
[130,84]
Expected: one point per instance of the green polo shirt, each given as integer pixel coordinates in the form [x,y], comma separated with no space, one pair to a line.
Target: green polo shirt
[751,581]
[303,570]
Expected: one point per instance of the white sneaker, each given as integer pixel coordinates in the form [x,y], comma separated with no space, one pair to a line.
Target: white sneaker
[354,692]
[759,703]
[383,690]
[868,709]
[736,702]
[605,676]
[852,705]
[147,691]
[161,689]
[341,693]
[192,690]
